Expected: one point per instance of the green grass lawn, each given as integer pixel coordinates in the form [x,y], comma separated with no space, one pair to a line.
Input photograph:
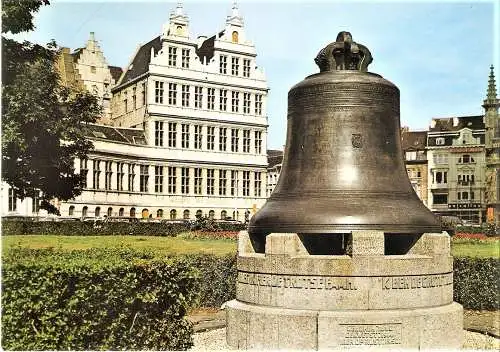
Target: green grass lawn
[181,245]
[161,245]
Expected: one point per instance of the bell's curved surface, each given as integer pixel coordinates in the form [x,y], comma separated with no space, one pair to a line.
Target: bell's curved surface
[343,166]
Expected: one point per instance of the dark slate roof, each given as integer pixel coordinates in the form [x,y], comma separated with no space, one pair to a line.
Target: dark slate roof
[116,134]
[446,124]
[274,157]
[413,140]
[206,50]
[116,72]
[140,63]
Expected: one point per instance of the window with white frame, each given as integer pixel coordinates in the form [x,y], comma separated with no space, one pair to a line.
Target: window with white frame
[211,98]
[246,68]
[235,101]
[258,142]
[96,165]
[235,66]
[12,199]
[158,92]
[185,58]
[257,184]
[185,95]
[185,136]
[258,104]
[198,97]
[235,139]
[84,171]
[210,137]
[172,94]
[143,178]
[210,181]
[222,182]
[222,99]
[172,134]
[158,133]
[172,179]
[119,176]
[158,179]
[246,141]
[198,136]
[131,177]
[184,180]
[172,56]
[246,183]
[197,180]
[35,203]
[222,139]
[234,183]
[246,103]
[440,141]
[223,64]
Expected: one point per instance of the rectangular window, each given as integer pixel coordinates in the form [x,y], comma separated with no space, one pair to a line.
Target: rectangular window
[223,64]
[143,178]
[210,138]
[172,56]
[222,139]
[125,107]
[440,177]
[172,134]
[158,179]
[210,181]
[258,142]
[222,182]
[198,97]
[131,177]
[257,184]
[134,99]
[235,139]
[185,58]
[223,99]
[185,95]
[158,92]
[234,182]
[258,104]
[144,94]
[211,98]
[235,66]
[84,171]
[172,94]
[246,141]
[246,183]
[119,176]
[159,133]
[12,200]
[185,180]
[198,136]
[440,198]
[246,103]
[246,68]
[96,174]
[235,101]
[440,158]
[197,181]
[172,180]
[184,135]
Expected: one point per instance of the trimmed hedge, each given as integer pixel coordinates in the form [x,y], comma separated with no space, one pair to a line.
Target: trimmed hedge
[95,300]
[477,283]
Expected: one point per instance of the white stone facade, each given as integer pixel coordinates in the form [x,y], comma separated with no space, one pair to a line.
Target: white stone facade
[195,131]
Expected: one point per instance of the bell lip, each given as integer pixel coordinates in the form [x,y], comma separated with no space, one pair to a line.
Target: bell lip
[344,228]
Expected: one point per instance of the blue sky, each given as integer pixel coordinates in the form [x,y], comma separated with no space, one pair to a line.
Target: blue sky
[438,53]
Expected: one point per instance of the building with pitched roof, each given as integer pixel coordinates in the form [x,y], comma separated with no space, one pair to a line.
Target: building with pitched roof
[188,130]
[413,144]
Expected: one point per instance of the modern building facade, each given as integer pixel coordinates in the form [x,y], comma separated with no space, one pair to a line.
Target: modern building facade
[188,134]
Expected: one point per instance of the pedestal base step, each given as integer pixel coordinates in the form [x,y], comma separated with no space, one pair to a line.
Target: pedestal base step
[262,327]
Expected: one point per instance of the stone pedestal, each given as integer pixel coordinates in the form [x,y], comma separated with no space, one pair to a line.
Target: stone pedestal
[363,289]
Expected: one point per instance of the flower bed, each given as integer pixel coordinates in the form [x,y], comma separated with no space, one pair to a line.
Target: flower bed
[475,236]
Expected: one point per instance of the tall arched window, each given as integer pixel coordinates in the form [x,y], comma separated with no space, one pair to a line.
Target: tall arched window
[145,213]
[71,210]
[110,211]
[199,214]
[84,211]
[185,215]
[173,214]
[132,212]
[236,215]
[121,212]
[211,214]
[235,37]
[223,215]
[97,211]
[159,213]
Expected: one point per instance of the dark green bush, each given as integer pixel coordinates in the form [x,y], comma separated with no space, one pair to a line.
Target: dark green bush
[95,300]
[477,283]
[78,228]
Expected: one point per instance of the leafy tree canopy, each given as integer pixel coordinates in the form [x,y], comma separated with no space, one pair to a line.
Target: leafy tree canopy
[43,121]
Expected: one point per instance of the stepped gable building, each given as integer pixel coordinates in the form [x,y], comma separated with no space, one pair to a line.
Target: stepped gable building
[189,130]
[456,164]
[414,147]
[492,145]
[87,68]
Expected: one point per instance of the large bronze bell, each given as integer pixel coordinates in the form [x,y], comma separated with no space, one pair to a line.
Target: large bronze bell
[343,167]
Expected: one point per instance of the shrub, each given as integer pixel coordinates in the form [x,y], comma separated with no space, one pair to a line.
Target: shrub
[477,283]
[94,300]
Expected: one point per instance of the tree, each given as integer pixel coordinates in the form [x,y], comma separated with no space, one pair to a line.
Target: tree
[43,121]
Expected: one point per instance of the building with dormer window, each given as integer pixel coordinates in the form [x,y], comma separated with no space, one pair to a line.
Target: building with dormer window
[188,130]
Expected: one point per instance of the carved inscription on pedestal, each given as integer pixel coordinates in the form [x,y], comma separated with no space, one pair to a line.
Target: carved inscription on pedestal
[416,282]
[371,334]
[296,281]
